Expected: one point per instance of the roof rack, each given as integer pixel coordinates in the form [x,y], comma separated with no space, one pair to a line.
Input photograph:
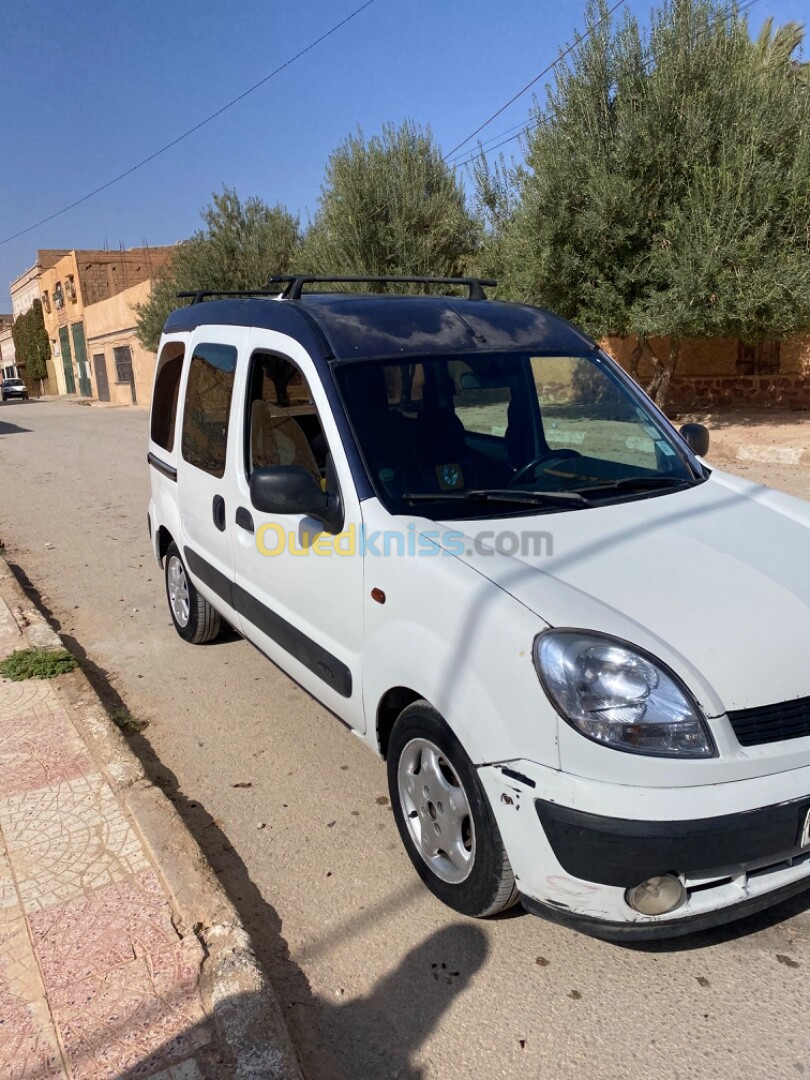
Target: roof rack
[199,295]
[295,282]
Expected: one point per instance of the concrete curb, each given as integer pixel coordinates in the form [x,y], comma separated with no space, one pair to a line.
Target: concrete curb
[757,453]
[234,987]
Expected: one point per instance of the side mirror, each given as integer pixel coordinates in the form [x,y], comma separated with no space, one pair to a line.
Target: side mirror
[697,438]
[289,489]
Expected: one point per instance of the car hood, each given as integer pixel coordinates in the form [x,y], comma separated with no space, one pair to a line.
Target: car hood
[714,580]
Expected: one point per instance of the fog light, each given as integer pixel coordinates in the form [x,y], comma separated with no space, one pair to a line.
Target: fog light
[656,895]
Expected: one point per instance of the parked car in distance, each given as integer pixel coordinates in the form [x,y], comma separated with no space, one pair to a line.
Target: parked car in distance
[13,389]
[581,651]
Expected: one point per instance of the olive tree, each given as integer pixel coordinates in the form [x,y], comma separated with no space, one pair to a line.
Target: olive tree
[241,245]
[666,188]
[390,205]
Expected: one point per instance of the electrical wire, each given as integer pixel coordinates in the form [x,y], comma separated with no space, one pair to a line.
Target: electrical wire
[191,130]
[470,156]
[537,78]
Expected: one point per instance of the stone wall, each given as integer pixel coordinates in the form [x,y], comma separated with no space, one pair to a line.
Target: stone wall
[707,374]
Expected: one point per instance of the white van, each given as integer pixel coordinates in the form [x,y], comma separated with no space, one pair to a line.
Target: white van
[583,654]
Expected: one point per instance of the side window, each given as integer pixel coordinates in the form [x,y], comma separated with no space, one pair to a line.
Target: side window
[207,407]
[167,389]
[282,424]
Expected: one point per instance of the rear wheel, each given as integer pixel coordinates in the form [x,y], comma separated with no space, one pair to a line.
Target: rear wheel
[444,817]
[193,617]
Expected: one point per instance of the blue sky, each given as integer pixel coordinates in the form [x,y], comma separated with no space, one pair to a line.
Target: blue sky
[89,88]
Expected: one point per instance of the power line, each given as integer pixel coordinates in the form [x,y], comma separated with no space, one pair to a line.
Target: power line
[537,78]
[191,130]
[468,157]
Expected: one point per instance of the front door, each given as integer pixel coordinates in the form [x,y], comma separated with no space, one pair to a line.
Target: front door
[67,360]
[80,352]
[102,382]
[207,454]
[298,588]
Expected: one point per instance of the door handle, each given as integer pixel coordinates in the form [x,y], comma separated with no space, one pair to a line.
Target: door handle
[218,512]
[244,518]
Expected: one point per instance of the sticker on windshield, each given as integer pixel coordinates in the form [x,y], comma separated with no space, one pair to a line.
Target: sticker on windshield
[450,477]
[665,448]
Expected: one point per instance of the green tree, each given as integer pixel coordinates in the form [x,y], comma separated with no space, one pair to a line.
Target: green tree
[666,191]
[241,245]
[390,205]
[31,345]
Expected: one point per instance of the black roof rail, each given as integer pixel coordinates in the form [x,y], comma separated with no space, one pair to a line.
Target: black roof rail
[199,295]
[294,283]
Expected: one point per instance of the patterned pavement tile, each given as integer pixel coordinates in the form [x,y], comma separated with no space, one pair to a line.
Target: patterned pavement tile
[98,932]
[39,748]
[22,697]
[136,1019]
[9,900]
[28,1044]
[68,839]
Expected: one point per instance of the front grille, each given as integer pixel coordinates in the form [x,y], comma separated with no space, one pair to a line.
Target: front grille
[772,723]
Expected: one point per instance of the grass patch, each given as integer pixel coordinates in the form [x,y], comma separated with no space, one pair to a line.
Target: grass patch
[126,722]
[37,664]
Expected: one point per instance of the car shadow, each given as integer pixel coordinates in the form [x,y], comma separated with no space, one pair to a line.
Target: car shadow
[12,429]
[383,1028]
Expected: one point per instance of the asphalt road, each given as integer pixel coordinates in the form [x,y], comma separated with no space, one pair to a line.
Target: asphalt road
[377,979]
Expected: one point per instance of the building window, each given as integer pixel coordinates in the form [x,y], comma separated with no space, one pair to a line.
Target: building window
[70,288]
[760,359]
[46,302]
[123,363]
[58,296]
[207,407]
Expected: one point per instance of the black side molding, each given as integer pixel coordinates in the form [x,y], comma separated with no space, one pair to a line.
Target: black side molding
[161,466]
[308,652]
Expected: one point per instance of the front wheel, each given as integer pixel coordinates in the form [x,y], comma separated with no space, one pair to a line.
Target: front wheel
[444,818]
[193,617]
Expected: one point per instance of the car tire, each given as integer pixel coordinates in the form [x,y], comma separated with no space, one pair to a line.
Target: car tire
[193,617]
[437,799]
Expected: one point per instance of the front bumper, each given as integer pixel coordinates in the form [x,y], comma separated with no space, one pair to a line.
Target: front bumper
[577,845]
[622,852]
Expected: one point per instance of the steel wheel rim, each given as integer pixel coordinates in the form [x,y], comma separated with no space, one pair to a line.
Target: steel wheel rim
[436,811]
[177,587]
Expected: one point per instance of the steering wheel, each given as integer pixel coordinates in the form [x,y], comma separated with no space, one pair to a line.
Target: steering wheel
[549,455]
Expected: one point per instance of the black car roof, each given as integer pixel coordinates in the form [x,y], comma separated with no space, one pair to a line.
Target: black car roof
[344,326]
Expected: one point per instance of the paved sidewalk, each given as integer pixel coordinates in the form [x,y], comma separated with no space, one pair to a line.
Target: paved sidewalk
[100,974]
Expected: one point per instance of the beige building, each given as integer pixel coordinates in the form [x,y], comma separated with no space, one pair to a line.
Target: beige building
[8,366]
[25,289]
[77,281]
[723,371]
[121,369]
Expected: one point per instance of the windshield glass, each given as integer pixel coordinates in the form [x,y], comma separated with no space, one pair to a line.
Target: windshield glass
[445,435]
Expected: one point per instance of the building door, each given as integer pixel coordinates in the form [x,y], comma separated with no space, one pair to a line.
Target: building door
[123,369]
[102,382]
[80,352]
[67,360]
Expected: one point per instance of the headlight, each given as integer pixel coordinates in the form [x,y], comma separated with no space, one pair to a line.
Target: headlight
[619,695]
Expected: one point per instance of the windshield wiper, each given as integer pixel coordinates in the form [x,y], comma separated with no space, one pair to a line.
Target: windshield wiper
[638,483]
[507,495]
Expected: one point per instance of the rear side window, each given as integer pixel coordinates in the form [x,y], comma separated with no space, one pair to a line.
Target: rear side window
[167,388]
[207,407]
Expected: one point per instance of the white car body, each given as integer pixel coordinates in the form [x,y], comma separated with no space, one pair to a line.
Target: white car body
[712,580]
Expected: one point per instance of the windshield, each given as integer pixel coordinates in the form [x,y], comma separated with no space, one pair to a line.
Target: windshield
[484,434]
[14,382]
